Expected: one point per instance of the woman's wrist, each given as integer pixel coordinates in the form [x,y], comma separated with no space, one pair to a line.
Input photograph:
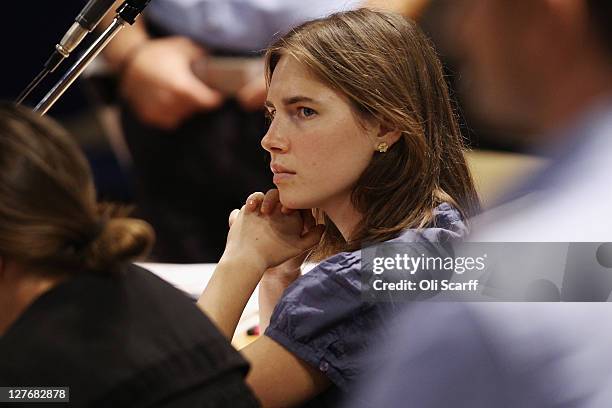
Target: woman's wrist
[281,277]
[287,272]
[253,262]
[271,288]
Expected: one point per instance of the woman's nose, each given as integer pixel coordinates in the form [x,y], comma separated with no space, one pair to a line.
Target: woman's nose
[273,141]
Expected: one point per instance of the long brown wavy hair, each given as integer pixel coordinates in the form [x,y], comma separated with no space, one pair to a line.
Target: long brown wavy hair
[49,216]
[389,72]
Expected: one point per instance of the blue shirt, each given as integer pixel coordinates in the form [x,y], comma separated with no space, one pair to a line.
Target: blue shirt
[238,25]
[322,317]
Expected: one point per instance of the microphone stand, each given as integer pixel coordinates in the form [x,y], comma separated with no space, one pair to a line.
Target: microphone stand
[126,14]
[77,69]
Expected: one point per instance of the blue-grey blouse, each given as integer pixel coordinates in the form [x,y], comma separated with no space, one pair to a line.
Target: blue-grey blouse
[323,319]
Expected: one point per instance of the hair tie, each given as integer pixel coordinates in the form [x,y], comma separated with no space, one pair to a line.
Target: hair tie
[96,231]
[89,237]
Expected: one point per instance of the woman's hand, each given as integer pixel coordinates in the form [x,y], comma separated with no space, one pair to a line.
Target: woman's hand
[267,234]
[289,270]
[286,272]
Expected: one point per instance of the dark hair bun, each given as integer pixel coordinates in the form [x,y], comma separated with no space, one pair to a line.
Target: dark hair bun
[120,240]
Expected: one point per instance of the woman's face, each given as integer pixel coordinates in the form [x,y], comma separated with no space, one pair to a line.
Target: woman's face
[318,147]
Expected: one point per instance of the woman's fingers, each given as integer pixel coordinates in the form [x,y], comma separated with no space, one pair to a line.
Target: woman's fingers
[313,236]
[309,220]
[254,201]
[270,201]
[286,211]
[232,217]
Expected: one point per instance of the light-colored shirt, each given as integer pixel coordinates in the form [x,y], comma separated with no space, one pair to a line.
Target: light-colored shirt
[238,25]
[570,201]
[483,355]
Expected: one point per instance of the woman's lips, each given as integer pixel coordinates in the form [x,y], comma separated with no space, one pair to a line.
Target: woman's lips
[280,177]
[281,173]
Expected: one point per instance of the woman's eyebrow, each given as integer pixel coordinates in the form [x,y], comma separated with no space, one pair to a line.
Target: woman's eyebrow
[295,99]
[291,100]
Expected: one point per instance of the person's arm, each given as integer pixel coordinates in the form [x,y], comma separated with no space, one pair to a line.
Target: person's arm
[257,241]
[229,290]
[279,378]
[156,76]
[276,280]
[273,284]
[271,289]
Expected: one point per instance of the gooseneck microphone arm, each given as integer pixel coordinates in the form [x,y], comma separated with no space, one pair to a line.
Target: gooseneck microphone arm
[87,20]
[126,14]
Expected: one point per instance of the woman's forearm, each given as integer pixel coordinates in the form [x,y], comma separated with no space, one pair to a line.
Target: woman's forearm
[270,291]
[228,292]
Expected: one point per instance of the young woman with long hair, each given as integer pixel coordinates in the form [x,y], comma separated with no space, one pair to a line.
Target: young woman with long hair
[365,148]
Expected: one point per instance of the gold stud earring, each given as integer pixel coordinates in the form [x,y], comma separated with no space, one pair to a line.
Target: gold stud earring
[382,147]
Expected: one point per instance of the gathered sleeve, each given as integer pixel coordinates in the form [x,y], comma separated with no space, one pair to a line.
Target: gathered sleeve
[322,318]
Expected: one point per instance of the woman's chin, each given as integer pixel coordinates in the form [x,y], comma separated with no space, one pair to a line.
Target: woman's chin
[291,202]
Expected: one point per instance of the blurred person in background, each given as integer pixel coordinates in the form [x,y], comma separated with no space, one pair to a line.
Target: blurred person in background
[546,67]
[192,121]
[74,311]
[438,21]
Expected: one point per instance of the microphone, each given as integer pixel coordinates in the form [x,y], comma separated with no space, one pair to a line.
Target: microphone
[84,23]
[125,14]
[87,20]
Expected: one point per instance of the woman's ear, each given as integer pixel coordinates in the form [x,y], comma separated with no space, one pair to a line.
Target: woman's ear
[389,136]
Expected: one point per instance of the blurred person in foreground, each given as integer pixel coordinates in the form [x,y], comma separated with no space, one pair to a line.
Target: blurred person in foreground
[74,312]
[545,66]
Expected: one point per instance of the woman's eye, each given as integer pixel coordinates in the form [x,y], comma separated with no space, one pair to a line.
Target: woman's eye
[306,112]
[270,114]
